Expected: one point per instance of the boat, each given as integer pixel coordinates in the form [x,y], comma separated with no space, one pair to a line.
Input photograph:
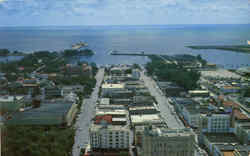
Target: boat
[79,45]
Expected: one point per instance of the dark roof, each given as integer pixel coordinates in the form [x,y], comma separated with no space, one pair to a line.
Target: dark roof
[243,149]
[32,81]
[221,137]
[47,114]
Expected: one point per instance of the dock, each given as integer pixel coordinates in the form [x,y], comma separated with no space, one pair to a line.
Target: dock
[142,53]
[131,53]
[164,57]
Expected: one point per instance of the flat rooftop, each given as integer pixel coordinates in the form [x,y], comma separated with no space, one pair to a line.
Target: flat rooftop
[46,114]
[170,132]
[119,119]
[224,138]
[9,98]
[99,127]
[198,91]
[111,112]
[147,118]
[106,86]
[111,107]
[105,101]
[244,150]
[141,108]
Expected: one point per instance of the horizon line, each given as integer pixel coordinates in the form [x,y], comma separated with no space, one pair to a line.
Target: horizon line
[1,26]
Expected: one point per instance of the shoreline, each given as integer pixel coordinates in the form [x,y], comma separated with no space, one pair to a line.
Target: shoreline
[235,48]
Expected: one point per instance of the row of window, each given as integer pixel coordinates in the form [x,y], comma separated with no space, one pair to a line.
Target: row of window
[112,134]
[175,153]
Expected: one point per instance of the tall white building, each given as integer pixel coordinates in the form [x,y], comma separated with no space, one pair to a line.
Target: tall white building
[109,137]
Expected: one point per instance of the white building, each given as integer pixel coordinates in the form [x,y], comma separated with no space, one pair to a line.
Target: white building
[109,137]
[146,119]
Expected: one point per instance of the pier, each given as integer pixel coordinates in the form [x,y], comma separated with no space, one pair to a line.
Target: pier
[132,53]
[142,53]
[164,57]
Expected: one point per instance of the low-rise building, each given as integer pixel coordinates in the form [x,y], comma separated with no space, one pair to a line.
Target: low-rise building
[143,110]
[50,112]
[104,101]
[134,85]
[170,89]
[242,131]
[113,113]
[170,142]
[145,119]
[108,89]
[229,89]
[10,103]
[143,100]
[52,92]
[118,79]
[109,119]
[111,107]
[124,94]
[198,93]
[125,102]
[73,88]
[219,144]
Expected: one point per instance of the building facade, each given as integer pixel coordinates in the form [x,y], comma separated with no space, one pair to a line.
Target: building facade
[168,142]
[217,123]
[109,137]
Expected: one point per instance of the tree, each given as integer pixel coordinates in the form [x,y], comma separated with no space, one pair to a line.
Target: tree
[4,52]
[173,72]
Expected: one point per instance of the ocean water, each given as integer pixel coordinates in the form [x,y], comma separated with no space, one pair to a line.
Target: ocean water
[164,39]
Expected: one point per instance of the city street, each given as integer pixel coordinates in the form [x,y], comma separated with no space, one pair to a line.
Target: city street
[167,110]
[84,119]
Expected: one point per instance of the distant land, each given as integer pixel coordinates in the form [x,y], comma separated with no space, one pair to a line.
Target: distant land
[235,48]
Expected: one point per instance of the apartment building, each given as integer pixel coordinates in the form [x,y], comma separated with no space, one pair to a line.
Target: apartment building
[216,123]
[103,137]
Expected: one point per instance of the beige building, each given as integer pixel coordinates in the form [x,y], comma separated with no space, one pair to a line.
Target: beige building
[168,142]
[109,137]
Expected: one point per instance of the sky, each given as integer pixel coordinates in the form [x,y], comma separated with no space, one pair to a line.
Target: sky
[122,12]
